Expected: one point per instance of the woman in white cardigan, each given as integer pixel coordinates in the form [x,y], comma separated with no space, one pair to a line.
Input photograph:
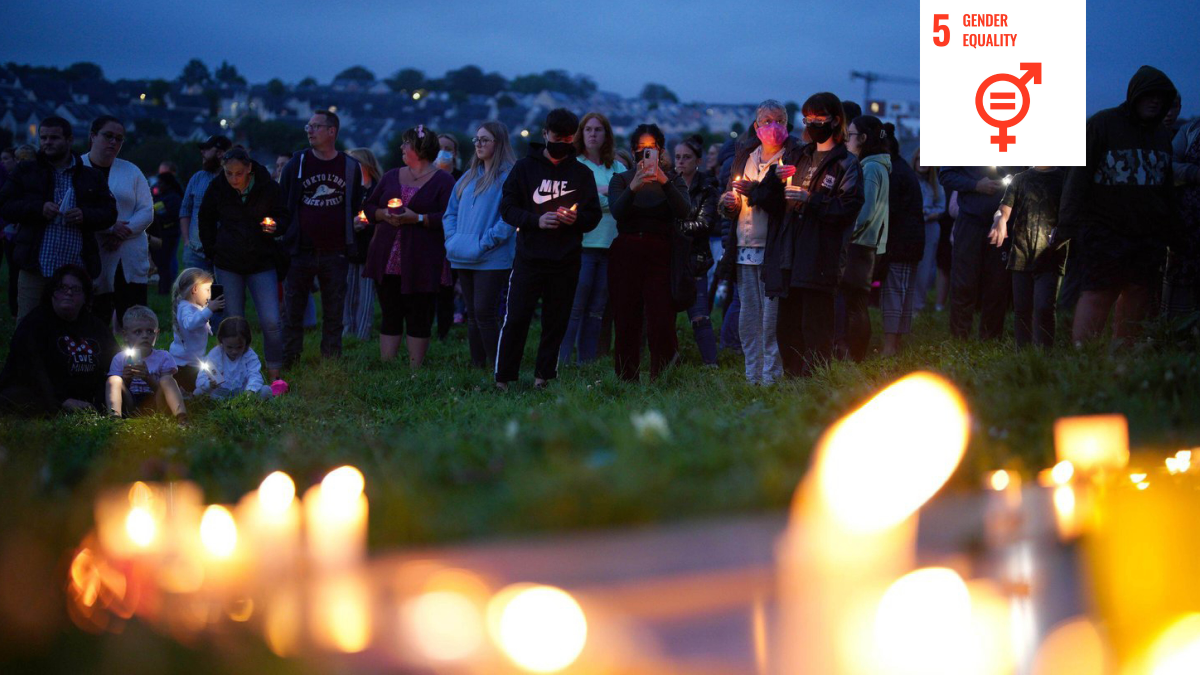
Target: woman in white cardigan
[124,248]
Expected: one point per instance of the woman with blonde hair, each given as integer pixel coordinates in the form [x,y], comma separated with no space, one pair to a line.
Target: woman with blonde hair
[359,310]
[479,244]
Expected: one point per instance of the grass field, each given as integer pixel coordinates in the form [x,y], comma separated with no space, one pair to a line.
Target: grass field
[447,458]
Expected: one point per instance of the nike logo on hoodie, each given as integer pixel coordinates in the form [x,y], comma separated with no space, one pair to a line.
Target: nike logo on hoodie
[550,189]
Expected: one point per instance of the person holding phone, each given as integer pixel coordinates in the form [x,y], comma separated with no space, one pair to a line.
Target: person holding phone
[194,299]
[241,219]
[646,202]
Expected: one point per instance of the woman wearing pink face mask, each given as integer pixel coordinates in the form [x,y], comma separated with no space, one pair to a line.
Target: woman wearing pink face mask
[747,239]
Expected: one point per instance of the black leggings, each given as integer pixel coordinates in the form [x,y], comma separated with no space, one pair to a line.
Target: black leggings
[1034,304]
[124,295]
[482,289]
[414,310]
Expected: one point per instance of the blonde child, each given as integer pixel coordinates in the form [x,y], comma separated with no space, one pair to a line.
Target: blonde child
[192,305]
[141,378]
[232,367]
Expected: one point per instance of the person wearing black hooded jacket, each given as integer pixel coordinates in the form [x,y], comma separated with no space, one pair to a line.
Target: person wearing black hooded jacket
[905,247]
[1120,207]
[807,243]
[243,246]
[551,200]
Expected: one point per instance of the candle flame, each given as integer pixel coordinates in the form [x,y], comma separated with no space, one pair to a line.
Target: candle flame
[574,207]
[268,221]
[1062,472]
[923,621]
[999,480]
[218,532]
[395,203]
[343,484]
[1094,442]
[362,215]
[880,463]
[140,526]
[276,492]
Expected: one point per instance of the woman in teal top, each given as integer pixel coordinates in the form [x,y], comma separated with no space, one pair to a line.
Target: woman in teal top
[594,145]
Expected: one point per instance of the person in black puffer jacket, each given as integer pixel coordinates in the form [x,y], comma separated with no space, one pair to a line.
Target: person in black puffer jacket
[243,247]
[700,224]
[905,247]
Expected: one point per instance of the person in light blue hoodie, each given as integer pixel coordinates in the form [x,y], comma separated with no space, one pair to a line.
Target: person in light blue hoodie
[479,244]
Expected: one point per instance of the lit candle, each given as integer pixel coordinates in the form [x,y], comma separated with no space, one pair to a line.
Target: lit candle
[341,614]
[574,207]
[1007,180]
[268,225]
[394,204]
[335,520]
[362,215]
[1093,443]
[270,517]
[853,527]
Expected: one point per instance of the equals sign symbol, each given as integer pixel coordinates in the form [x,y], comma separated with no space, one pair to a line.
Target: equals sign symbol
[1009,96]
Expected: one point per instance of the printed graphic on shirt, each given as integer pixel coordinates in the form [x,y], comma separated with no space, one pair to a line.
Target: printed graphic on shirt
[1135,166]
[550,189]
[322,190]
[80,354]
[828,182]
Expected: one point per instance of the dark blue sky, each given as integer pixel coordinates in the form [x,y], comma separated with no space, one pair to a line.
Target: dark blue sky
[701,49]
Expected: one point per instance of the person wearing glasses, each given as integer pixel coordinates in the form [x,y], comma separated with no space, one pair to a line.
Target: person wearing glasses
[58,357]
[746,242]
[124,248]
[58,203]
[594,148]
[323,192]
[479,244]
[867,139]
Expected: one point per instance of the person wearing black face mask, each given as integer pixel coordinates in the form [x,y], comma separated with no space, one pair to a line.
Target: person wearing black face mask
[551,199]
[805,254]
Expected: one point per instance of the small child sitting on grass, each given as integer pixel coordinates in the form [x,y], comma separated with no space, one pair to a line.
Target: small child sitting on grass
[141,378]
[192,305]
[232,367]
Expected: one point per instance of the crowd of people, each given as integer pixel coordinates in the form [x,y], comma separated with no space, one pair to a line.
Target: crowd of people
[791,230]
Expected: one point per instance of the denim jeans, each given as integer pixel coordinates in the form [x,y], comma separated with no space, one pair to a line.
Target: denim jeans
[702,328]
[927,270]
[193,258]
[263,288]
[756,327]
[360,304]
[730,339]
[330,270]
[166,261]
[587,311]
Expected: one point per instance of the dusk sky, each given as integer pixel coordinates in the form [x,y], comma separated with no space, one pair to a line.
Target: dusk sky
[701,49]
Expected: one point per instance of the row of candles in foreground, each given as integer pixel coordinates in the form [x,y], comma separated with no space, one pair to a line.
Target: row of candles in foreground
[295,568]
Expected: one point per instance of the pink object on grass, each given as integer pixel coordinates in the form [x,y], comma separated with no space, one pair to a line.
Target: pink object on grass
[279,387]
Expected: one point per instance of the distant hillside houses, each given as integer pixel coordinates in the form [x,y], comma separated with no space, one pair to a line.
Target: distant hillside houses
[370,112]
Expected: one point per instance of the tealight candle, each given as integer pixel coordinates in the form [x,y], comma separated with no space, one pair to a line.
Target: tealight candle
[394,205]
[335,520]
[268,225]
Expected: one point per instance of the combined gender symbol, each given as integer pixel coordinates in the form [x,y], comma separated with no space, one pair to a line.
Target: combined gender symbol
[1005,100]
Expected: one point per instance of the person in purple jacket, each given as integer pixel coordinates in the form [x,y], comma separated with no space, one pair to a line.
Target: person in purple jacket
[407,253]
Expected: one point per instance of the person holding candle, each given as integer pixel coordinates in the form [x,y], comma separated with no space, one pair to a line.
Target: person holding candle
[594,149]
[867,139]
[360,291]
[323,192]
[646,204]
[232,367]
[141,378]
[124,248]
[699,224]
[479,244]
[57,355]
[745,245]
[537,201]
[407,254]
[811,213]
[241,221]
[192,305]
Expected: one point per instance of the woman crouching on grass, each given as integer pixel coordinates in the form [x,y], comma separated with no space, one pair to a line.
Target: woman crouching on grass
[407,253]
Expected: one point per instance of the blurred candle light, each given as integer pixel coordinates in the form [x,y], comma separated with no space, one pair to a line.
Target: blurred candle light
[335,514]
[852,530]
[443,625]
[340,617]
[1093,443]
[1066,512]
[218,532]
[923,625]
[542,629]
[1062,472]
[1177,651]
[1073,647]
[140,526]
[394,204]
[998,480]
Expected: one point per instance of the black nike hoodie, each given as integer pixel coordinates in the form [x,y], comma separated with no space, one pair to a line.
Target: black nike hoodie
[537,185]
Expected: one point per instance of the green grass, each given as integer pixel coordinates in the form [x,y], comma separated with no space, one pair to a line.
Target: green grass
[447,458]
